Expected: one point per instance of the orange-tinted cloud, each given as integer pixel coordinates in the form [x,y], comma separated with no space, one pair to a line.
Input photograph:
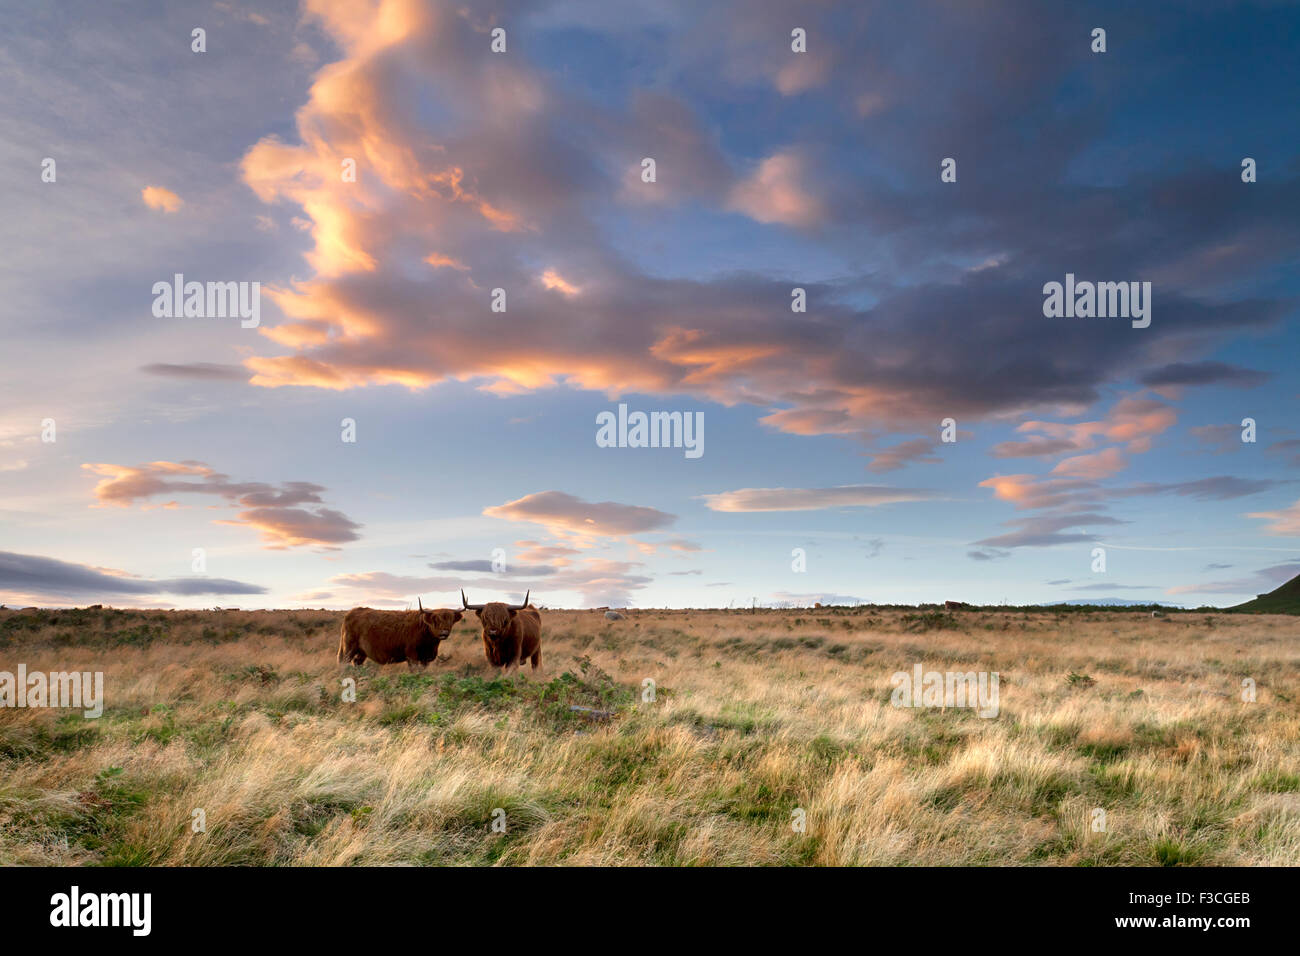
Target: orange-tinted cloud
[776,192]
[1100,464]
[288,515]
[567,516]
[1285,521]
[157,197]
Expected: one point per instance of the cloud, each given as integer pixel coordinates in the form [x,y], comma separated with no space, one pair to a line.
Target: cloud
[774,193]
[1260,582]
[681,544]
[1034,448]
[556,282]
[1077,502]
[1285,521]
[1218,488]
[533,552]
[209,371]
[813,499]
[298,527]
[156,197]
[565,515]
[1203,373]
[1218,438]
[896,456]
[1045,530]
[278,512]
[32,575]
[1031,492]
[597,580]
[439,261]
[988,555]
[1102,464]
[485,567]
[1290,448]
[1133,419]
[510,167]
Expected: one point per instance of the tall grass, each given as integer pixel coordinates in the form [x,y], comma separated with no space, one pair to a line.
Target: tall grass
[754,716]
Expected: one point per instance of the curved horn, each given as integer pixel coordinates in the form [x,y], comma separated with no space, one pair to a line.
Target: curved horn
[468,606]
[520,607]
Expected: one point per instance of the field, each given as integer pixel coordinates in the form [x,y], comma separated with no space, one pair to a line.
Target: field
[754,716]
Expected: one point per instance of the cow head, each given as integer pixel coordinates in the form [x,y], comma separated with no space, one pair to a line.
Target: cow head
[440,622]
[495,616]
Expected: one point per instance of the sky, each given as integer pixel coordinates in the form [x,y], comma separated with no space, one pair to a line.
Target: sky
[465,263]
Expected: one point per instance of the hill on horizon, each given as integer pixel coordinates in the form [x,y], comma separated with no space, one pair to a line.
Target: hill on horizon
[1281,600]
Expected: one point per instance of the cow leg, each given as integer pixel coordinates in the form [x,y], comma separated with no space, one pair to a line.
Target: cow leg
[537,659]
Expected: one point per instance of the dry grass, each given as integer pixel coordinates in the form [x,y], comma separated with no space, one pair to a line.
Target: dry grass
[239,713]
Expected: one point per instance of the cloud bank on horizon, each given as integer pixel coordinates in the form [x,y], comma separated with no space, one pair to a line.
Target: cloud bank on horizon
[829,230]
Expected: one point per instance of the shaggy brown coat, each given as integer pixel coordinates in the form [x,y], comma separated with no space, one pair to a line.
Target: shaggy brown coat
[510,637]
[389,637]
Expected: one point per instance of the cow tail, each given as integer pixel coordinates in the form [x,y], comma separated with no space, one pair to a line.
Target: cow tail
[343,639]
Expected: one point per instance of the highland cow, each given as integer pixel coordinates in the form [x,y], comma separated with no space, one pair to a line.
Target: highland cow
[512,633]
[390,637]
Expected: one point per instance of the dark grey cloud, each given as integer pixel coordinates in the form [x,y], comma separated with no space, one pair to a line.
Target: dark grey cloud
[1203,373]
[205,371]
[34,575]
[1048,529]
[1218,488]
[483,566]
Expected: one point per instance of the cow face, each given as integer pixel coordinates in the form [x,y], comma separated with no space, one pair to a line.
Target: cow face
[496,618]
[440,622]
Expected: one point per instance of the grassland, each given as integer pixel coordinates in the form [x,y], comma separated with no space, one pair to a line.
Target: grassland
[754,715]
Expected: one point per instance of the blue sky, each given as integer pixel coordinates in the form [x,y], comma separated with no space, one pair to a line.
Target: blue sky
[521,170]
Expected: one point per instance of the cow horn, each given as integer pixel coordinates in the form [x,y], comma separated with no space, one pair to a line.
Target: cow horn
[468,606]
[421,603]
[520,607]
